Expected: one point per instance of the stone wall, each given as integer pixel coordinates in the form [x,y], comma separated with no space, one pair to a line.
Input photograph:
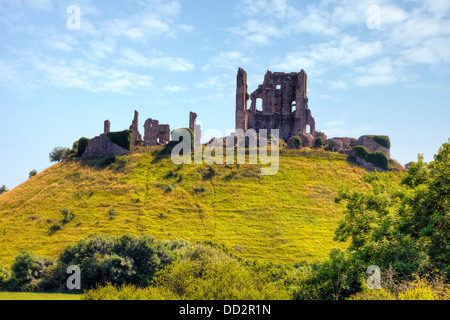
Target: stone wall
[101,146]
[373,146]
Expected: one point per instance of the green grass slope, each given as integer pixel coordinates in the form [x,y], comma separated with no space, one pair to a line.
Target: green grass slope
[286,218]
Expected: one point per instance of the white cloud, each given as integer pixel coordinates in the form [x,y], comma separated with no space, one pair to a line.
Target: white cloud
[318,58]
[174,88]
[433,52]
[154,61]
[381,72]
[44,5]
[228,60]
[256,31]
[102,48]
[43,72]
[338,84]
[154,18]
[213,82]
[63,42]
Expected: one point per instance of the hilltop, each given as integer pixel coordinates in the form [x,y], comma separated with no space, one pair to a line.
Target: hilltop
[285,218]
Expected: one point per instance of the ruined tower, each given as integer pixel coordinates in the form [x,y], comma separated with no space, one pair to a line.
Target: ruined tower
[107,126]
[137,138]
[280,103]
[241,100]
[196,129]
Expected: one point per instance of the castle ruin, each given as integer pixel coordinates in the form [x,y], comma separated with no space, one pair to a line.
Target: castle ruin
[284,104]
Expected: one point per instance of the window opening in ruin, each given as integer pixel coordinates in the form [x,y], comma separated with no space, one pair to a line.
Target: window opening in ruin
[278,86]
[259,104]
[294,106]
[308,129]
[275,109]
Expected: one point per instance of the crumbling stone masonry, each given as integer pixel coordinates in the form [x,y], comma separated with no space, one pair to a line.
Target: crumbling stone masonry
[195,128]
[102,146]
[107,126]
[137,138]
[155,133]
[284,104]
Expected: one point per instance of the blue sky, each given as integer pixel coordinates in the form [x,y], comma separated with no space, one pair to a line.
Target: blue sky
[165,58]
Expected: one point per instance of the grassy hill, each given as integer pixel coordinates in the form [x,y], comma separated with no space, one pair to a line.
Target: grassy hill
[286,218]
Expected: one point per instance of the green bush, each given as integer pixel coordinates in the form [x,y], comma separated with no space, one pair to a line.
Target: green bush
[3,189]
[199,189]
[129,259]
[68,216]
[32,173]
[319,143]
[81,146]
[330,145]
[122,138]
[361,152]
[27,271]
[281,143]
[75,146]
[382,140]
[378,159]
[337,278]
[297,142]
[128,292]
[58,154]
[56,227]
[5,276]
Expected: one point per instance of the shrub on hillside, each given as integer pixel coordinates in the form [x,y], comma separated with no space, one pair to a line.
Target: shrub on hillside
[3,189]
[319,143]
[68,216]
[330,145]
[82,146]
[32,173]
[361,152]
[58,154]
[297,142]
[378,159]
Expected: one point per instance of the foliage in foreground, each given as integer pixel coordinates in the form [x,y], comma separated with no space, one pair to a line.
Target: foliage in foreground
[402,223]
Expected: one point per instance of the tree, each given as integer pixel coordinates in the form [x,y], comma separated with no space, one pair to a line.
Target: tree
[319,143]
[58,154]
[337,278]
[3,189]
[403,223]
[32,173]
